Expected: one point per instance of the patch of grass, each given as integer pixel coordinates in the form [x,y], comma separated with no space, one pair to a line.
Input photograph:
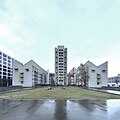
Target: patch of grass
[58,93]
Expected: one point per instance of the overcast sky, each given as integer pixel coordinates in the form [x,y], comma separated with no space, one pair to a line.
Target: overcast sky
[90,29]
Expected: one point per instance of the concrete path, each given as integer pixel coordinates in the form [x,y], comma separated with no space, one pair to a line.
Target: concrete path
[60,110]
[7,90]
[106,91]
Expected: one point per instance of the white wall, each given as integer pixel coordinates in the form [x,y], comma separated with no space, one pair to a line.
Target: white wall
[27,74]
[16,79]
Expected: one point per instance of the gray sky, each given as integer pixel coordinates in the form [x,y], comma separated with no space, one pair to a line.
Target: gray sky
[90,29]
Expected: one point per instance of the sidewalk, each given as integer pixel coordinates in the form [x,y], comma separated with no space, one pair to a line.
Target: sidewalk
[115,92]
[7,90]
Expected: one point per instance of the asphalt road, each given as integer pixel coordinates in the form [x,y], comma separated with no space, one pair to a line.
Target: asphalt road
[60,110]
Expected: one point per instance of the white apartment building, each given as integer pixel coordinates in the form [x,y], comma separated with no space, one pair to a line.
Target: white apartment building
[29,74]
[96,75]
[114,81]
[6,72]
[61,65]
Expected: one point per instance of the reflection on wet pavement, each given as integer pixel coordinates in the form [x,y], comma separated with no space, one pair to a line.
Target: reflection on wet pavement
[59,110]
[114,92]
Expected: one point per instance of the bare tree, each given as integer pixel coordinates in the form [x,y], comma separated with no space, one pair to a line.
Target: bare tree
[83,75]
[86,76]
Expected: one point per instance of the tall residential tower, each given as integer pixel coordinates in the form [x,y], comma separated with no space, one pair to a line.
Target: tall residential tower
[61,65]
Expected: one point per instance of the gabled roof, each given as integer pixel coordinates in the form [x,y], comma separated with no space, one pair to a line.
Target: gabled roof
[94,64]
[35,63]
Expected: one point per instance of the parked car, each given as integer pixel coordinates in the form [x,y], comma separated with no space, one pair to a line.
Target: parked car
[113,85]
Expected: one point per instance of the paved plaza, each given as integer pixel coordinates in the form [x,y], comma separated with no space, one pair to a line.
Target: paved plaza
[59,109]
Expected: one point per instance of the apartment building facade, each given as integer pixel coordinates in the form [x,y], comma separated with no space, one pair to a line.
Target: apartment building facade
[61,65]
[6,71]
[29,74]
[92,75]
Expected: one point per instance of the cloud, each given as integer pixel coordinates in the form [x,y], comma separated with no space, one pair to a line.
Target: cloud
[4,32]
[90,30]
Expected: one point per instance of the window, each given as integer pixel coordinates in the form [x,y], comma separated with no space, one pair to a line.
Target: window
[60,49]
[60,69]
[4,55]
[4,63]
[98,81]
[9,64]
[61,74]
[9,74]
[4,59]
[60,63]
[9,61]
[4,77]
[21,75]
[60,80]
[60,66]
[4,73]
[4,66]
[16,69]
[8,57]
[27,69]
[103,70]
[60,55]
[22,82]
[98,76]
[4,69]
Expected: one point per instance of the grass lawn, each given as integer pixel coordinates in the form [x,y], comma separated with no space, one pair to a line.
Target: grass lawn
[58,93]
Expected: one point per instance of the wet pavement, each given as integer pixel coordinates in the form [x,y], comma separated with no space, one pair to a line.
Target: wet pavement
[113,92]
[60,110]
